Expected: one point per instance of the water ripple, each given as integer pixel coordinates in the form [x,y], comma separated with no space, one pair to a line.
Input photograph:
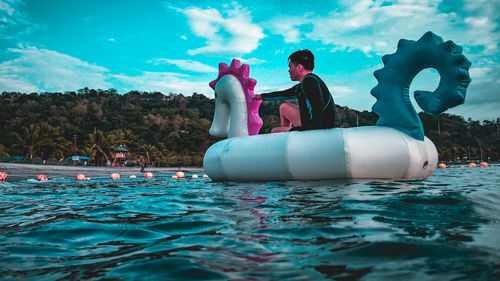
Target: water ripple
[445,227]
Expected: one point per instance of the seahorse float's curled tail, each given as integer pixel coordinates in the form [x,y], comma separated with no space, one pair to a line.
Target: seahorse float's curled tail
[395,148]
[392,92]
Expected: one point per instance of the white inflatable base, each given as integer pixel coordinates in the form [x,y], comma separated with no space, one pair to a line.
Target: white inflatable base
[373,152]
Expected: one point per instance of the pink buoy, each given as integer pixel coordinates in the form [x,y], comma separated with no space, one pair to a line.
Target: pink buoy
[472,165]
[42,178]
[3,176]
[148,175]
[441,166]
[205,176]
[174,177]
[179,174]
[80,177]
[483,164]
[115,176]
[194,176]
[133,176]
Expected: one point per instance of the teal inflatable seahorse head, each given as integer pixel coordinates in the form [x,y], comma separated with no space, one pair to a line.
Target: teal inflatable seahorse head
[392,91]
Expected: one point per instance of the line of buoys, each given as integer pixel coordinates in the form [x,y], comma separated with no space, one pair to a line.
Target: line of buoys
[42,178]
[115,176]
[181,175]
[3,177]
[470,165]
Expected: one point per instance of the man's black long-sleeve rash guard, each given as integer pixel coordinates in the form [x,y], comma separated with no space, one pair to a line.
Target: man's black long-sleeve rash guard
[317,108]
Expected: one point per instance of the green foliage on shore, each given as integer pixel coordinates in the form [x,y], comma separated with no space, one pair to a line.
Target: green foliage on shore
[172,130]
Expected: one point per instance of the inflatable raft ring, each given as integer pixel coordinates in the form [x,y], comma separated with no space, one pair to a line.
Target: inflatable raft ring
[400,68]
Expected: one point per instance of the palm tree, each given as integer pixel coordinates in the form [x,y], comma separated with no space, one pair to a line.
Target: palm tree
[162,153]
[100,145]
[43,140]
[149,151]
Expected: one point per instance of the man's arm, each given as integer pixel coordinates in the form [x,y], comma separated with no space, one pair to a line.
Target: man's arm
[279,95]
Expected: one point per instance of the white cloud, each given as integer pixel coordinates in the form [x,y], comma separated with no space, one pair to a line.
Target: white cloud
[165,82]
[41,70]
[233,33]
[14,20]
[251,61]
[340,91]
[367,25]
[364,27]
[45,70]
[479,72]
[288,27]
[189,65]
[5,7]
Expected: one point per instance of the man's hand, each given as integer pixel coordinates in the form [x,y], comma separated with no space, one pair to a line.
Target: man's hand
[257,97]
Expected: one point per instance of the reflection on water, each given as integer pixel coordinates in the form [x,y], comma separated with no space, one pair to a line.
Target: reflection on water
[444,227]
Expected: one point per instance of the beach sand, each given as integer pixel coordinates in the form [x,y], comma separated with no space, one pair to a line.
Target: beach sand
[18,171]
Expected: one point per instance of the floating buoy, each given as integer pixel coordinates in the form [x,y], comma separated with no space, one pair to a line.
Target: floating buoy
[115,176]
[194,176]
[174,177]
[179,174]
[42,178]
[483,164]
[472,165]
[461,166]
[133,176]
[450,166]
[81,177]
[441,166]
[3,176]
[205,176]
[148,175]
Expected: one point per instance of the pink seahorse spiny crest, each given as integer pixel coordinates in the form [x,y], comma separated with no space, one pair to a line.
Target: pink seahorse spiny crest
[242,72]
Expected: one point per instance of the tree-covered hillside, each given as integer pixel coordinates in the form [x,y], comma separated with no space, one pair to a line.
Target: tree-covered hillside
[172,130]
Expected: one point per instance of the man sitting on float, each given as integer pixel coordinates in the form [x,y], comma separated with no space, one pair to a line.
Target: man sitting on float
[316,108]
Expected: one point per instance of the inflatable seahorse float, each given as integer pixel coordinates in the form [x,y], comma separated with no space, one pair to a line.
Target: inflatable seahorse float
[395,148]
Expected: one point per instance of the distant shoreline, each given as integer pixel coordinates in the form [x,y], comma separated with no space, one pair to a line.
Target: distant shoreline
[27,170]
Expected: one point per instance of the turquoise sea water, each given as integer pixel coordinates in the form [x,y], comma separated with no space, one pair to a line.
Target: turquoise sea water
[446,227]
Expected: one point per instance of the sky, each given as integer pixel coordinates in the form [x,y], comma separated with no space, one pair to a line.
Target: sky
[176,46]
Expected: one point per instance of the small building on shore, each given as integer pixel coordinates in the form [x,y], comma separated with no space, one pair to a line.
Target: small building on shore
[120,156]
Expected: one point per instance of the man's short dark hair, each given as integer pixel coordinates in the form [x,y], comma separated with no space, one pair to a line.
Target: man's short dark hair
[304,57]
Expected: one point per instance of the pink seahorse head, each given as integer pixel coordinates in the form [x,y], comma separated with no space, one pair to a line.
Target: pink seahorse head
[248,84]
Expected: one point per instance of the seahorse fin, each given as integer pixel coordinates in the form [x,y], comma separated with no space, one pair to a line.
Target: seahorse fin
[429,36]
